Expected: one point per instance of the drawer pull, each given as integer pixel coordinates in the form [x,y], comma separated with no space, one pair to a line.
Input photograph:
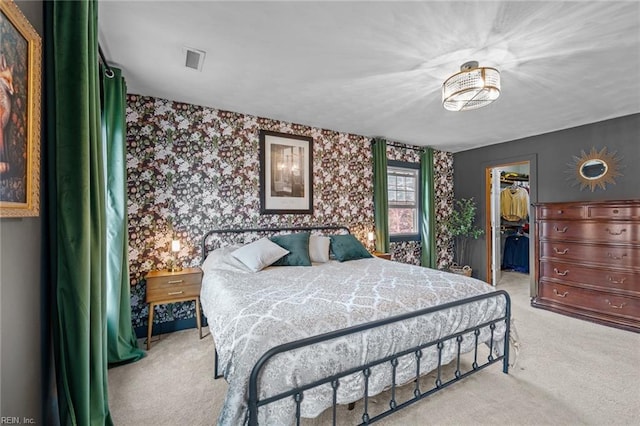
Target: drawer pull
[174,293]
[560,273]
[175,281]
[560,212]
[616,211]
[616,233]
[613,256]
[615,306]
[563,230]
[560,295]
[613,280]
[565,251]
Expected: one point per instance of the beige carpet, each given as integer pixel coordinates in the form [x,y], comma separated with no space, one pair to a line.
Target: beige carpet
[568,372]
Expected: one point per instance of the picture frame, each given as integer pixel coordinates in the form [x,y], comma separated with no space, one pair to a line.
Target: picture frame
[20,103]
[286,173]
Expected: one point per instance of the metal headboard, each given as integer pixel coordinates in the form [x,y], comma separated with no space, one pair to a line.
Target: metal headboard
[266,231]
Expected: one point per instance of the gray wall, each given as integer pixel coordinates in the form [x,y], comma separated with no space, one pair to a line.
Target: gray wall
[550,155]
[20,347]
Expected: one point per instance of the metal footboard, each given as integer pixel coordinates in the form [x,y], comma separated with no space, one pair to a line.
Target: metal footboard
[297,394]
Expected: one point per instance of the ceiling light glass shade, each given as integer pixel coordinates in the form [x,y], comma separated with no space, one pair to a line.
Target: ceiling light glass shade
[473,87]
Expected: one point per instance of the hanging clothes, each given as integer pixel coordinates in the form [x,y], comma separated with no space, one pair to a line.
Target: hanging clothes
[516,254]
[514,204]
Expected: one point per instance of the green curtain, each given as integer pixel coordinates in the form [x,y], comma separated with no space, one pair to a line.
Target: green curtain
[428,255]
[77,223]
[380,194]
[122,346]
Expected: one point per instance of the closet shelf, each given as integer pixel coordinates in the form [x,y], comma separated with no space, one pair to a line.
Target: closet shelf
[514,180]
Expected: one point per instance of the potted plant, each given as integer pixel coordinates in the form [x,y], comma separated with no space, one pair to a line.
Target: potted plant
[460,225]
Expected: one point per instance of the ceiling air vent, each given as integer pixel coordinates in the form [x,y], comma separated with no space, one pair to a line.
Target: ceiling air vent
[194,58]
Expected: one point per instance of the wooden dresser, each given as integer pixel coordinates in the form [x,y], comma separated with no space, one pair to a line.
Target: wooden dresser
[588,261]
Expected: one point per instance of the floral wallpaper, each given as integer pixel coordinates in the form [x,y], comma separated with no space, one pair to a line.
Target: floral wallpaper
[191,169]
[443,200]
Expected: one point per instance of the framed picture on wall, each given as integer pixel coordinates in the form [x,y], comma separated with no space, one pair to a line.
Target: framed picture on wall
[20,68]
[286,173]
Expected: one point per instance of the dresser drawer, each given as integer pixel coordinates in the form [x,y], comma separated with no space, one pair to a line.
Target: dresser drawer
[595,278]
[560,212]
[590,300]
[609,232]
[613,212]
[617,256]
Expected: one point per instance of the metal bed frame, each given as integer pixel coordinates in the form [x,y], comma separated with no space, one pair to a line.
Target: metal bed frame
[297,393]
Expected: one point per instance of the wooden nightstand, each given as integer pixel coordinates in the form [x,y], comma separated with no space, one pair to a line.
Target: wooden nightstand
[386,256]
[170,287]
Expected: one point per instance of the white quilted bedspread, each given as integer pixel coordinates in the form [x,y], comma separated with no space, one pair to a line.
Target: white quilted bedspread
[249,313]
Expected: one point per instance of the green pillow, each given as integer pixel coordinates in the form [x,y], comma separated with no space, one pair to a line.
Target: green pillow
[298,246]
[348,247]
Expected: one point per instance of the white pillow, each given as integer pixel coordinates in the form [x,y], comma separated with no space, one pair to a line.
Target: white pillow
[259,254]
[319,248]
[221,258]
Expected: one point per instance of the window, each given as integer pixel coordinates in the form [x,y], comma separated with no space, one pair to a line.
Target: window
[403,181]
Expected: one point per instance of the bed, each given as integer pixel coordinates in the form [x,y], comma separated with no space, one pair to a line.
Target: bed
[294,341]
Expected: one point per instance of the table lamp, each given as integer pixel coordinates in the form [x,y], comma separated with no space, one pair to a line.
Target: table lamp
[175,248]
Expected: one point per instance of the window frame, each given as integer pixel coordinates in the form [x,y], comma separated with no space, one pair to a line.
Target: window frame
[414,167]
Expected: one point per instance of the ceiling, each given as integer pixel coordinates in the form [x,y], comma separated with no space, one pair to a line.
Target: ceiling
[376,68]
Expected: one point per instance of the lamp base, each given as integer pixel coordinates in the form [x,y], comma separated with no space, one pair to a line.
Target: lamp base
[172,266]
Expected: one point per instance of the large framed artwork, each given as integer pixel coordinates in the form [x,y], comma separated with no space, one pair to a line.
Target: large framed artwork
[20,69]
[286,173]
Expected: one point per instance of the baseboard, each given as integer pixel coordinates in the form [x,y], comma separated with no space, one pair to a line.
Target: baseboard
[169,327]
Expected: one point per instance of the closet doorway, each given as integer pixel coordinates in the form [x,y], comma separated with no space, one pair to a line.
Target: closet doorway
[508,207]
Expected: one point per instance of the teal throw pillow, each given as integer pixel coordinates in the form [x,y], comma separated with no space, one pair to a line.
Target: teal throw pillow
[348,247]
[298,246]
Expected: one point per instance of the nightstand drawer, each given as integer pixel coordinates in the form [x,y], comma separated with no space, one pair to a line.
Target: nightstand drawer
[172,292]
[173,279]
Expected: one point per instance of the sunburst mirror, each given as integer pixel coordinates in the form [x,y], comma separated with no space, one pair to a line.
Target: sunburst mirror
[595,169]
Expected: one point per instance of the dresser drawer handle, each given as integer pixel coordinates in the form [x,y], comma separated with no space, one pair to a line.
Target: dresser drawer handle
[560,295]
[565,251]
[615,306]
[616,233]
[613,256]
[560,212]
[174,293]
[563,230]
[560,273]
[613,280]
[175,281]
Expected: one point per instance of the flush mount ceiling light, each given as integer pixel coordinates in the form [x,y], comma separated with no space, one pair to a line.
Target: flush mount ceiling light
[473,87]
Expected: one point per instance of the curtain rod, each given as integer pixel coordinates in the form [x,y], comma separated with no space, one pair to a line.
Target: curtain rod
[109,71]
[401,145]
